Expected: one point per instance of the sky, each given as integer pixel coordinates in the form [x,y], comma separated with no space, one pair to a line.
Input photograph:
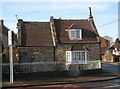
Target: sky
[105,14]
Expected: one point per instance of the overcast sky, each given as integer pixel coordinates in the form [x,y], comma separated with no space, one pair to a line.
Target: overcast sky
[104,13]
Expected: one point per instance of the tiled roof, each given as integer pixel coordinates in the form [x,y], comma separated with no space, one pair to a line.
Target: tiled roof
[88,34]
[5,30]
[37,34]
[77,48]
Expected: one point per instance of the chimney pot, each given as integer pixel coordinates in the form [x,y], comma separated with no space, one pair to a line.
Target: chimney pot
[60,18]
[2,22]
[89,11]
[20,20]
[90,18]
[51,16]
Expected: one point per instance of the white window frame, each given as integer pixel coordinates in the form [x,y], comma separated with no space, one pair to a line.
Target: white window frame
[69,57]
[75,37]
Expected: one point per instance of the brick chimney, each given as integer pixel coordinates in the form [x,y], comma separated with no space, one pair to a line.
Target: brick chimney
[1,28]
[53,31]
[20,24]
[90,18]
[1,22]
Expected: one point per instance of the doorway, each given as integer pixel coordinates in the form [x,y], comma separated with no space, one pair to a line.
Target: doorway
[116,59]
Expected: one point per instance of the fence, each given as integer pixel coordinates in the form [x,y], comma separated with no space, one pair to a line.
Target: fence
[46,66]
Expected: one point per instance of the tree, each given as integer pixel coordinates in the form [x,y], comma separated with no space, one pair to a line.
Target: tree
[117,40]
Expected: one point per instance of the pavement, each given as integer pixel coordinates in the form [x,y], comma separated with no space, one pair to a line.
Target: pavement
[21,82]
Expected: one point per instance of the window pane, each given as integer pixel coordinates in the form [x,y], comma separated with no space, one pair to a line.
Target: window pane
[87,55]
[77,56]
[72,34]
[77,33]
[83,56]
[68,56]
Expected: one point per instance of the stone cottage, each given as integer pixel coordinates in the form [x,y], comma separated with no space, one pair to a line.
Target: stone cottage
[60,40]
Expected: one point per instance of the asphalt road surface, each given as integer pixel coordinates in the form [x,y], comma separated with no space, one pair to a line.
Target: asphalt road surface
[111,84]
[111,67]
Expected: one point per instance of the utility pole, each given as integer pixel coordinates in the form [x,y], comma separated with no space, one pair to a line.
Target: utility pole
[11,54]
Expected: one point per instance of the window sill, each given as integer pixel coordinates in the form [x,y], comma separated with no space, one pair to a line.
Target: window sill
[76,62]
[76,39]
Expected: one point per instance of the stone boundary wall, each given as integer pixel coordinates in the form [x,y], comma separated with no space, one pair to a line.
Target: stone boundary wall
[50,66]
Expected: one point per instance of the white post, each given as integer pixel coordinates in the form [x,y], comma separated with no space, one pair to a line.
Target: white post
[11,63]
[71,57]
[11,54]
[100,64]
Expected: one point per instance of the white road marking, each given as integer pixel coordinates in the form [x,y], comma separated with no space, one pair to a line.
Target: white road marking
[111,86]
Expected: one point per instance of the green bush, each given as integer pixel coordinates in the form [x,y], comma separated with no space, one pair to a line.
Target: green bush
[108,56]
[117,40]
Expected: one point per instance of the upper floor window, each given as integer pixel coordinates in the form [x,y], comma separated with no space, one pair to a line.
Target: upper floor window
[76,34]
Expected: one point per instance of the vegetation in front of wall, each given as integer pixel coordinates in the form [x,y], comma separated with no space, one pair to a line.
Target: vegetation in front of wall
[108,56]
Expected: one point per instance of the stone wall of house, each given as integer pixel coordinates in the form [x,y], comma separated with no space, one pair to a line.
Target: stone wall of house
[6,58]
[5,41]
[36,54]
[40,54]
[94,51]
[60,52]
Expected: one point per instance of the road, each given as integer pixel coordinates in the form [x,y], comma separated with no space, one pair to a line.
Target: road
[111,67]
[108,67]
[111,84]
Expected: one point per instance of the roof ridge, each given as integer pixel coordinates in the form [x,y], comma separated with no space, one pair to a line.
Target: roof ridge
[73,19]
[34,22]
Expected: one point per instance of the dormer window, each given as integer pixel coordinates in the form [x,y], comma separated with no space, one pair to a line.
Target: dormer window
[76,34]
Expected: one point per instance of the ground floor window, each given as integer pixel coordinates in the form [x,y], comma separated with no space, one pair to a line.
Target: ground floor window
[76,56]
